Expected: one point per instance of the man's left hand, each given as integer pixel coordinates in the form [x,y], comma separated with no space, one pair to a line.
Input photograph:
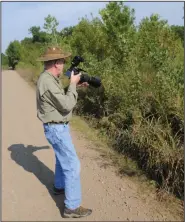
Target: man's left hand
[84,84]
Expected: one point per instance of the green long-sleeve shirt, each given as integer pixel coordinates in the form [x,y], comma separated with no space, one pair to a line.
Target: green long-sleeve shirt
[53,104]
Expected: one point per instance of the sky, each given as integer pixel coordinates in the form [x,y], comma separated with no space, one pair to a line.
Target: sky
[18,17]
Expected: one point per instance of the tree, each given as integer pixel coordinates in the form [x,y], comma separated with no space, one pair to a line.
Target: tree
[66,32]
[26,40]
[14,53]
[179,31]
[88,39]
[50,26]
[34,30]
[4,59]
[155,42]
[119,27]
[38,35]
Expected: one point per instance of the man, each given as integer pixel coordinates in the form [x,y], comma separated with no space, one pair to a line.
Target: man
[54,109]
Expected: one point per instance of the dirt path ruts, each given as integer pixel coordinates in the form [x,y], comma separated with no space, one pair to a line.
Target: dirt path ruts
[28,166]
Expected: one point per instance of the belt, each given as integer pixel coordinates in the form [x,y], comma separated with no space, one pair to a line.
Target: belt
[49,123]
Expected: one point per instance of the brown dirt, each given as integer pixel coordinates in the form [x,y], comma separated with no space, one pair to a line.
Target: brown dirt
[28,166]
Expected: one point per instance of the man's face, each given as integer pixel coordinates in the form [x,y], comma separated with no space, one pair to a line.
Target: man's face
[60,66]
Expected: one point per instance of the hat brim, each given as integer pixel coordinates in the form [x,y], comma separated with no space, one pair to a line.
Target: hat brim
[54,57]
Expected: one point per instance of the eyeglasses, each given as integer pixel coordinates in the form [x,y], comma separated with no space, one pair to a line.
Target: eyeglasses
[62,60]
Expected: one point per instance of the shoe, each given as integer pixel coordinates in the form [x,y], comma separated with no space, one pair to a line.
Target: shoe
[77,213]
[57,191]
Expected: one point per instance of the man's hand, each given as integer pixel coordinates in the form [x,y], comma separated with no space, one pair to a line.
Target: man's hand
[84,84]
[75,78]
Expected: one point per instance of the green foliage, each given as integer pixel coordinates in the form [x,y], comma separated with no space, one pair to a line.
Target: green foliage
[30,53]
[179,31]
[66,32]
[38,35]
[155,42]
[140,106]
[120,30]
[88,39]
[27,40]
[50,26]
[14,53]
[4,59]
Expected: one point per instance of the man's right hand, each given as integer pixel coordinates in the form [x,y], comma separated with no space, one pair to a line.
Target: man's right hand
[75,78]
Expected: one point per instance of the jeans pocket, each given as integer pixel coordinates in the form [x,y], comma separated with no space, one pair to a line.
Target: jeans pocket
[59,131]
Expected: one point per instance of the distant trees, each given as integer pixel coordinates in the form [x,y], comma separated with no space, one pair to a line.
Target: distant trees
[14,53]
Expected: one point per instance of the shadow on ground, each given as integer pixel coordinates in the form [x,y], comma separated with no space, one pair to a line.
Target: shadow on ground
[24,157]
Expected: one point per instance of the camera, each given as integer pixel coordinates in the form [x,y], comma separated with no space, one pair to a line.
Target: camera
[93,81]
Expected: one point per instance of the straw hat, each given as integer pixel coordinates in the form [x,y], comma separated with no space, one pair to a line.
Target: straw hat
[53,53]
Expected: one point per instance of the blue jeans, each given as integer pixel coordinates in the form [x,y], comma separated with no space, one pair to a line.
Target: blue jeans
[67,167]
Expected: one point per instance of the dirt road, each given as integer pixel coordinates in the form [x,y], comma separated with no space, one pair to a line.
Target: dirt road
[28,166]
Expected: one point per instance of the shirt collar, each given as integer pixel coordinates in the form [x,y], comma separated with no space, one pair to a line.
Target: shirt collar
[56,78]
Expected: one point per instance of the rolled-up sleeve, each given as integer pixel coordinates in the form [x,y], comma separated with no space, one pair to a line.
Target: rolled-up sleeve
[58,99]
